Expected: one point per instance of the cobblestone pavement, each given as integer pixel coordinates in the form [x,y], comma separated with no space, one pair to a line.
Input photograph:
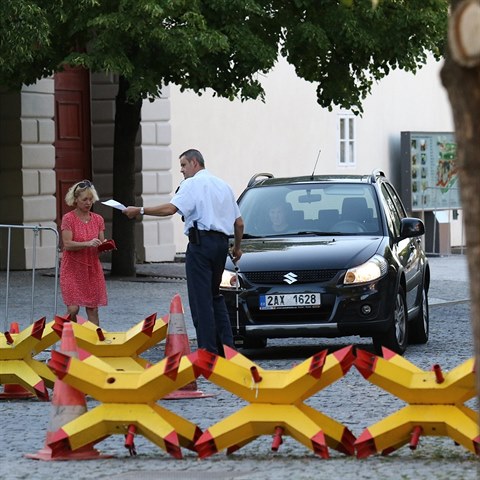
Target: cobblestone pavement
[352,400]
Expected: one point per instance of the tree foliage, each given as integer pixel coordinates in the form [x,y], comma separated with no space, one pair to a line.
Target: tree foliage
[24,28]
[343,47]
[219,44]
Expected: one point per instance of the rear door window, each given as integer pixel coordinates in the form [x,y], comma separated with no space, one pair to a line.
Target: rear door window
[393,215]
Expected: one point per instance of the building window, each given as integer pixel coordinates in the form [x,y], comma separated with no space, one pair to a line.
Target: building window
[346,139]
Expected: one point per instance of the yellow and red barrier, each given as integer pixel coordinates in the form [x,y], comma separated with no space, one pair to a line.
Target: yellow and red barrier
[118,349]
[128,403]
[110,369]
[276,402]
[435,404]
[17,363]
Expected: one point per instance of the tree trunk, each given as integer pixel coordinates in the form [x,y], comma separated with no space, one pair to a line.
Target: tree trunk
[127,121]
[463,87]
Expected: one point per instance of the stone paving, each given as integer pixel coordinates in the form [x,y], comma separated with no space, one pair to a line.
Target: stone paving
[352,400]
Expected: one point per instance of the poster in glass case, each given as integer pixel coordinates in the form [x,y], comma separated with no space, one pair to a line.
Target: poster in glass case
[429,171]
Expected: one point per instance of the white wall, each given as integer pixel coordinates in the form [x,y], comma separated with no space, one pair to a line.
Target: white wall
[402,102]
[284,134]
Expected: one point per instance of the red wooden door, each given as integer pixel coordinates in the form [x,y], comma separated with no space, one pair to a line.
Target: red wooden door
[72,132]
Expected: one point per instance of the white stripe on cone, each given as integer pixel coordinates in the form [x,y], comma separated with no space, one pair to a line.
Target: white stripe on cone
[177,342]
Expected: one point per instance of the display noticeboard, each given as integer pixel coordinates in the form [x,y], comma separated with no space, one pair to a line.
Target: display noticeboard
[429,171]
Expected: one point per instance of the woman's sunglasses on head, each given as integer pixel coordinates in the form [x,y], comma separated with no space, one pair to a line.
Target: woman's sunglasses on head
[83,184]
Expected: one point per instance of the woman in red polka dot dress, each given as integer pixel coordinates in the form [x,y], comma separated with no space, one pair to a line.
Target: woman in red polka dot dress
[82,281]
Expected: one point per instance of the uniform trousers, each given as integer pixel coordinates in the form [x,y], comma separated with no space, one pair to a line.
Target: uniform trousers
[204,265]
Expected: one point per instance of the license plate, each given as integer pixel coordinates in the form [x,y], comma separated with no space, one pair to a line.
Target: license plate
[290,300]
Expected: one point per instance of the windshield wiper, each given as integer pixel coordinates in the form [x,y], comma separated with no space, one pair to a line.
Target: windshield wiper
[314,232]
[296,234]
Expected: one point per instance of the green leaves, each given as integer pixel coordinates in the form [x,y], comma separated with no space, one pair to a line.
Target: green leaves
[24,32]
[344,47]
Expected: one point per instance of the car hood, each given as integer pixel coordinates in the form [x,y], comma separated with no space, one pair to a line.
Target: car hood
[306,253]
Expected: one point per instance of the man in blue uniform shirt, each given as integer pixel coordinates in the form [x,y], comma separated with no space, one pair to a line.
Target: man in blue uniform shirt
[210,213]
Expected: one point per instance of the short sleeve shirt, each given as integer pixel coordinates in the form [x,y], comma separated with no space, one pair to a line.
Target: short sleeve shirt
[209,201]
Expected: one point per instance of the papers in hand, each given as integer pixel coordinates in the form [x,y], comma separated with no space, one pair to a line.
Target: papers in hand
[114,204]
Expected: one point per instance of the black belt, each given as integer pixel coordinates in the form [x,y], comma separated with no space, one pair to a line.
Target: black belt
[211,232]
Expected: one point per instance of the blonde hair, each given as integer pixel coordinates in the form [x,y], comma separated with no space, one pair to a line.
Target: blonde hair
[76,189]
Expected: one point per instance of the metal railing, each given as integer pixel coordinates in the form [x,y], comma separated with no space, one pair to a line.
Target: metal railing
[36,229]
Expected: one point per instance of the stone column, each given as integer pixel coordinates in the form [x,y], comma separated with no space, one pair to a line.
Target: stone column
[153,182]
[27,196]
[156,178]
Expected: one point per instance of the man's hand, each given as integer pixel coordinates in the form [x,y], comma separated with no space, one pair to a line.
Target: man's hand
[131,212]
[238,228]
[236,254]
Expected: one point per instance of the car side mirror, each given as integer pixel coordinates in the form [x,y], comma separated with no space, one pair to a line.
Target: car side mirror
[411,227]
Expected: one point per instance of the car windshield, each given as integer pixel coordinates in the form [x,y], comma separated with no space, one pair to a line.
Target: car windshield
[310,209]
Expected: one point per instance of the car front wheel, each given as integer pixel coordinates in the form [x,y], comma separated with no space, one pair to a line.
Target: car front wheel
[419,326]
[396,337]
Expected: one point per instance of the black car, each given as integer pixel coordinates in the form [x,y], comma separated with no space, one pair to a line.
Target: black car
[328,256]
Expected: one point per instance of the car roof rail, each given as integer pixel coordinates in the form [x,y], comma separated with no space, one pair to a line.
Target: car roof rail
[377,173]
[254,179]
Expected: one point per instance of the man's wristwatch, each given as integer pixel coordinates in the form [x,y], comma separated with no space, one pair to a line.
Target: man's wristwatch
[142,211]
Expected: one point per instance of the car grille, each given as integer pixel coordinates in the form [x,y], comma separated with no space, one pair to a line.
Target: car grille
[279,317]
[303,276]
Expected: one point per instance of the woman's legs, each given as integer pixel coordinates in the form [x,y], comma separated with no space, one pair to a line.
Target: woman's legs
[72,310]
[92,315]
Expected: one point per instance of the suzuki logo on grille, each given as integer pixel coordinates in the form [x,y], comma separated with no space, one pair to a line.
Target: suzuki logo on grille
[290,278]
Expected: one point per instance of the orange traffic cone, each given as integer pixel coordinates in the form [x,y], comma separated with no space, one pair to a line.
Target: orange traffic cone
[177,342]
[13,390]
[58,328]
[67,404]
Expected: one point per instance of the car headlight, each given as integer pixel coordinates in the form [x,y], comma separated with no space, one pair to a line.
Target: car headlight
[369,271]
[229,279]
